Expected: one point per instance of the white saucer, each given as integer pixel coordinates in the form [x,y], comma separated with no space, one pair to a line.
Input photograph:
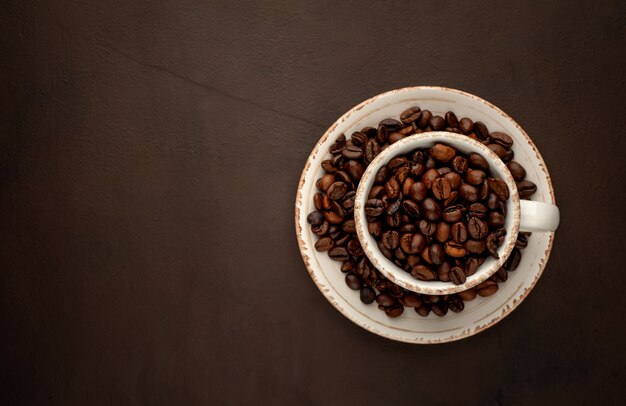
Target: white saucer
[480,313]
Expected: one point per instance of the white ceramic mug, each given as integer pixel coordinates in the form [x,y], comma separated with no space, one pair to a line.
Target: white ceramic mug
[522,215]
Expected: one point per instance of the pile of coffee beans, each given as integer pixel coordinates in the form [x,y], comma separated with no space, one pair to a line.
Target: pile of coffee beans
[333,218]
[437,213]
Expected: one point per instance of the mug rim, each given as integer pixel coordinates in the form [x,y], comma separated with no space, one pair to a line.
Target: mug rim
[395,273]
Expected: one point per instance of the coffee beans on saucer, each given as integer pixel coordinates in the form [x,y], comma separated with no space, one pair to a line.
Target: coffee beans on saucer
[333,218]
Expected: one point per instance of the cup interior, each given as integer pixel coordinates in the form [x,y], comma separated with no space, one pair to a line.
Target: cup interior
[464,145]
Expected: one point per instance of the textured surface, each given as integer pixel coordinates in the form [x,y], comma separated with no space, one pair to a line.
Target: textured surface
[149,155]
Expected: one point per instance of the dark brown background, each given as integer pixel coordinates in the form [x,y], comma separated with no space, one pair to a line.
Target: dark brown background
[149,156]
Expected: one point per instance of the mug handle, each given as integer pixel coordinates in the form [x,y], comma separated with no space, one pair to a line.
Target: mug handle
[538,216]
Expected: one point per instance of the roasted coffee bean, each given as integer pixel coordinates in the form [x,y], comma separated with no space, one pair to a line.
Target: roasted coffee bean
[429,178]
[496,219]
[437,123]
[466,125]
[436,254]
[390,239]
[338,254]
[454,179]
[407,228]
[342,239]
[443,271]
[427,228]
[477,228]
[412,243]
[375,228]
[481,130]
[317,201]
[411,209]
[315,218]
[452,214]
[354,248]
[492,245]
[498,149]
[395,290]
[522,241]
[501,138]
[358,138]
[467,295]
[477,210]
[501,275]
[335,232]
[372,149]
[343,176]
[526,188]
[395,137]
[367,295]
[454,249]
[424,273]
[487,288]
[452,120]
[385,299]
[392,188]
[431,163]
[324,244]
[457,275]
[471,265]
[493,202]
[410,115]
[483,192]
[443,232]
[459,164]
[418,191]
[390,123]
[348,199]
[374,207]
[394,311]
[441,188]
[381,175]
[442,171]
[376,192]
[513,260]
[406,186]
[455,304]
[393,220]
[352,152]
[430,209]
[355,169]
[322,229]
[347,266]
[413,260]
[325,181]
[508,157]
[386,252]
[499,187]
[327,165]
[468,193]
[440,309]
[381,134]
[337,190]
[474,246]
[363,268]
[393,207]
[451,199]
[424,119]
[332,217]
[423,310]
[477,161]
[336,147]
[411,300]
[441,152]
[517,171]
[402,174]
[475,177]
[353,281]
[459,232]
